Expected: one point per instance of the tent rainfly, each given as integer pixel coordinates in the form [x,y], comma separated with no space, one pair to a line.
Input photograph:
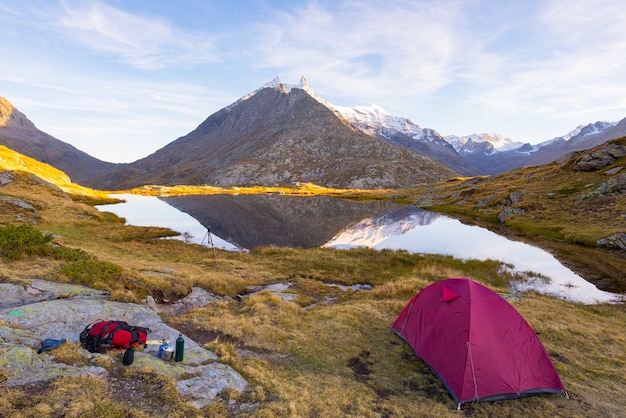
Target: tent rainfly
[477,343]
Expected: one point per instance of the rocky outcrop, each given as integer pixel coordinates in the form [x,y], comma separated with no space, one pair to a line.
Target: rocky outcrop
[601,158]
[615,241]
[34,310]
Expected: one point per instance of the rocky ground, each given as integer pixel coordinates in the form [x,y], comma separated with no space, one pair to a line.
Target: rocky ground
[33,310]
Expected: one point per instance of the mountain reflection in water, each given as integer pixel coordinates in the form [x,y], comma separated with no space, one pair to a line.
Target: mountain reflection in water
[249,221]
[420,231]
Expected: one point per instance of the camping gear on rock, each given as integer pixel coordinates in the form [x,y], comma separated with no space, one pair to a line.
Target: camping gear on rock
[164,344]
[51,344]
[477,343]
[102,336]
[168,353]
[180,347]
[129,357]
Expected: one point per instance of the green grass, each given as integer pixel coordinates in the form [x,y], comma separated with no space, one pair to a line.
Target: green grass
[91,272]
[329,352]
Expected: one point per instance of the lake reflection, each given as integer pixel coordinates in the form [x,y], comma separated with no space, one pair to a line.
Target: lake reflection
[151,211]
[420,231]
[249,221]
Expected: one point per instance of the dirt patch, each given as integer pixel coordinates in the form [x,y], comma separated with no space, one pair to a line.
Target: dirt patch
[558,357]
[361,366]
[203,337]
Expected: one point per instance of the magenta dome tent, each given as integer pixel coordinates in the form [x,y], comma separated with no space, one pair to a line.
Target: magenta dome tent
[477,343]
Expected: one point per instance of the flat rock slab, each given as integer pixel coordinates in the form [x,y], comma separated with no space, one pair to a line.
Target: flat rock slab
[215,378]
[67,318]
[27,317]
[35,290]
[27,367]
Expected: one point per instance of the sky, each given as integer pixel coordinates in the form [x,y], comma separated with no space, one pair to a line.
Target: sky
[120,79]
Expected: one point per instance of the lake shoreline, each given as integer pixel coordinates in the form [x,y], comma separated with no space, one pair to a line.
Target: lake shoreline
[572,288]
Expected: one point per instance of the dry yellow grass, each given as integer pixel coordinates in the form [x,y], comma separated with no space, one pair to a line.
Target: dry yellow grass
[327,353]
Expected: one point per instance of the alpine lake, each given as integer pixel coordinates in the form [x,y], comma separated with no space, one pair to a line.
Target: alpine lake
[243,222]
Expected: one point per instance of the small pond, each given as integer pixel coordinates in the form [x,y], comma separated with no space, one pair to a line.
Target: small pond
[247,221]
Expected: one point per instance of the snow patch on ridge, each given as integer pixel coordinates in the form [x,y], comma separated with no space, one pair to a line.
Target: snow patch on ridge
[375,120]
[276,84]
[467,144]
[590,129]
[286,88]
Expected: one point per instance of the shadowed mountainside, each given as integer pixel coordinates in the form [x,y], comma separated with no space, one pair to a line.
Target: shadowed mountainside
[275,138]
[18,133]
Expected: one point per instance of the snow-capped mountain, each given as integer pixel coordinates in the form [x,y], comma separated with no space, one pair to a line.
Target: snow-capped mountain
[378,122]
[578,134]
[591,129]
[372,231]
[488,143]
[404,133]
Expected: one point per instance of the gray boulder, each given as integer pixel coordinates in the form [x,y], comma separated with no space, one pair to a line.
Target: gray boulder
[215,378]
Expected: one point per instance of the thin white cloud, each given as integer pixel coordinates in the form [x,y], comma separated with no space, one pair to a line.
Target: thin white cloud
[577,67]
[363,48]
[528,58]
[457,66]
[144,42]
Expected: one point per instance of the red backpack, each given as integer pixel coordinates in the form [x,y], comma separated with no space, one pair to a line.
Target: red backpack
[102,336]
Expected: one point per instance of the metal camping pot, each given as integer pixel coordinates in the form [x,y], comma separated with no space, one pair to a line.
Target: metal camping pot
[168,353]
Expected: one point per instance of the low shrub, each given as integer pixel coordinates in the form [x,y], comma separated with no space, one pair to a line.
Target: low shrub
[89,272]
[18,242]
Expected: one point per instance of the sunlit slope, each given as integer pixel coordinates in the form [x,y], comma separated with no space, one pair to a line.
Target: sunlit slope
[11,160]
[20,134]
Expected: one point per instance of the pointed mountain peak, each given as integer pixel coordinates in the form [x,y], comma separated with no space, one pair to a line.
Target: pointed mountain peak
[11,117]
[274,83]
[277,84]
[303,85]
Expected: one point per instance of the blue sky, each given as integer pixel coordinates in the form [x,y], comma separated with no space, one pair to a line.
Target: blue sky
[120,79]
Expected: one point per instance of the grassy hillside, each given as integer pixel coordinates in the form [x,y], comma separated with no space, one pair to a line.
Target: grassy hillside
[325,353]
[565,207]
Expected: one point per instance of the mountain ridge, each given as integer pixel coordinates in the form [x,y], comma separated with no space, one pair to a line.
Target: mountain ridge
[18,133]
[475,154]
[279,135]
[265,148]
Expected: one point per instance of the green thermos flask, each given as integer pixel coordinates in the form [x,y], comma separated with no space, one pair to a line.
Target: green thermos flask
[180,347]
